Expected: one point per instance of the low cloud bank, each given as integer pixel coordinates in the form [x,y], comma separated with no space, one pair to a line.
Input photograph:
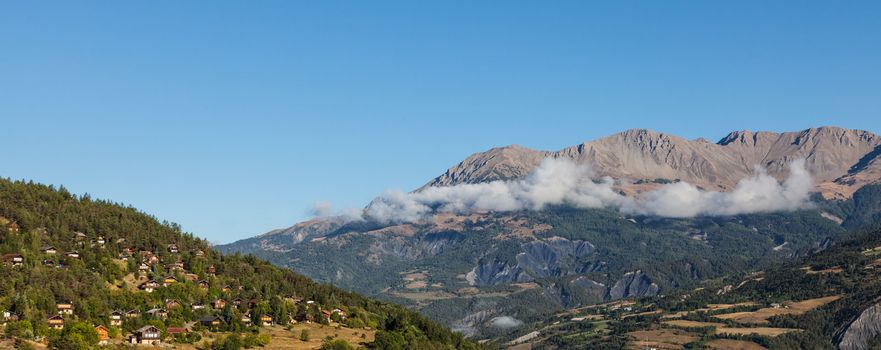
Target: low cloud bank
[505,322]
[562,182]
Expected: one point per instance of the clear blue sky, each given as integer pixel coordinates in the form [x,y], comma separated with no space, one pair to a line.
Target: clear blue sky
[231,118]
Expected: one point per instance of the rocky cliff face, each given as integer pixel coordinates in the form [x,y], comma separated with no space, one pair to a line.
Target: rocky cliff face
[633,284]
[836,157]
[865,328]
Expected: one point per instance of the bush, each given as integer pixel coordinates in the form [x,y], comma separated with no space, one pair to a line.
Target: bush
[304,335]
[336,344]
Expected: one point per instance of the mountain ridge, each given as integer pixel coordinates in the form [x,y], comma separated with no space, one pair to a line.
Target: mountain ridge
[643,154]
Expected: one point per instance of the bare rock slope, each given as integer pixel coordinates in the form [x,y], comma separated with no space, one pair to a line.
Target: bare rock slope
[841,160]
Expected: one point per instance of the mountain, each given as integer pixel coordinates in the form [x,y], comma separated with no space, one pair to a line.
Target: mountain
[829,300]
[488,274]
[840,160]
[77,271]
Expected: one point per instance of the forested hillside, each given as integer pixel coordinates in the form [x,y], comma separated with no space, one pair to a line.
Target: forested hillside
[78,271]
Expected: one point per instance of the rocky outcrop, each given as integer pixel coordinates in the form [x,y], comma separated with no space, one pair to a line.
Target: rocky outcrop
[546,258]
[495,272]
[841,160]
[633,284]
[862,330]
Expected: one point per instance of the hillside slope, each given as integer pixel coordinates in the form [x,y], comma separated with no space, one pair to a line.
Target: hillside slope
[826,301]
[73,262]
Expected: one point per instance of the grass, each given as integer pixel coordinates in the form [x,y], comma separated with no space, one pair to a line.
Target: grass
[761,316]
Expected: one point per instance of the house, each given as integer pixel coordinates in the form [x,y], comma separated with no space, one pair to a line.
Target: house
[116,319]
[103,335]
[226,289]
[169,280]
[79,236]
[149,286]
[13,259]
[147,335]
[237,301]
[157,313]
[143,268]
[174,331]
[197,306]
[212,270]
[178,266]
[218,304]
[100,240]
[246,319]
[252,303]
[265,320]
[55,322]
[211,321]
[192,277]
[132,314]
[203,284]
[12,226]
[49,250]
[72,254]
[64,308]
[152,260]
[7,316]
[171,304]
[339,312]
[199,252]
[172,248]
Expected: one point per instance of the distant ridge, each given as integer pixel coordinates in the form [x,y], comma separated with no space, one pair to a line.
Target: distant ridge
[841,160]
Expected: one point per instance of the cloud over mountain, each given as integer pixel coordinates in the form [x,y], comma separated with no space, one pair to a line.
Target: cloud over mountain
[563,182]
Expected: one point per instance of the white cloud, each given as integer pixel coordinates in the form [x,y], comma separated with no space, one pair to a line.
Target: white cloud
[560,181]
[505,322]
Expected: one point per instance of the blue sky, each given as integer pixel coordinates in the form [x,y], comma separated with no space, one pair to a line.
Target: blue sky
[232,118]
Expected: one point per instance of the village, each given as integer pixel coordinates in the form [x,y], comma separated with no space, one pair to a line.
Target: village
[205,303]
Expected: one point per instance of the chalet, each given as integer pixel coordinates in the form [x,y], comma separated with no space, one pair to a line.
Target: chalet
[212,269]
[152,260]
[103,335]
[143,268]
[147,335]
[48,262]
[265,320]
[100,240]
[79,236]
[128,250]
[197,306]
[149,286]
[13,259]
[116,319]
[211,321]
[237,301]
[7,316]
[339,312]
[55,322]
[178,266]
[64,308]
[171,304]
[218,304]
[124,256]
[12,227]
[49,250]
[172,248]
[169,280]
[199,252]
[157,313]
[226,289]
[72,254]
[246,319]
[132,314]
[174,331]
[191,277]
[203,284]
